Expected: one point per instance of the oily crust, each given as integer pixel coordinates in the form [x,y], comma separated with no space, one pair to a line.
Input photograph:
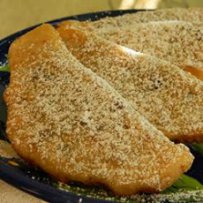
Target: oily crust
[177,112]
[49,125]
[126,36]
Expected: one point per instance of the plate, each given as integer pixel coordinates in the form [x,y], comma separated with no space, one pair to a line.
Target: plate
[34,181]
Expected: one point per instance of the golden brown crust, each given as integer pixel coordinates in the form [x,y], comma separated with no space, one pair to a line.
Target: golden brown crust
[65,119]
[179,42]
[197,72]
[177,112]
[181,14]
[193,69]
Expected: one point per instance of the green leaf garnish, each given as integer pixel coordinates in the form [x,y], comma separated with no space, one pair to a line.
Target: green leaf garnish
[4,68]
[184,183]
[198,148]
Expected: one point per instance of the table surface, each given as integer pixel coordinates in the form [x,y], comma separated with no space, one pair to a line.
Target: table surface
[16,15]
